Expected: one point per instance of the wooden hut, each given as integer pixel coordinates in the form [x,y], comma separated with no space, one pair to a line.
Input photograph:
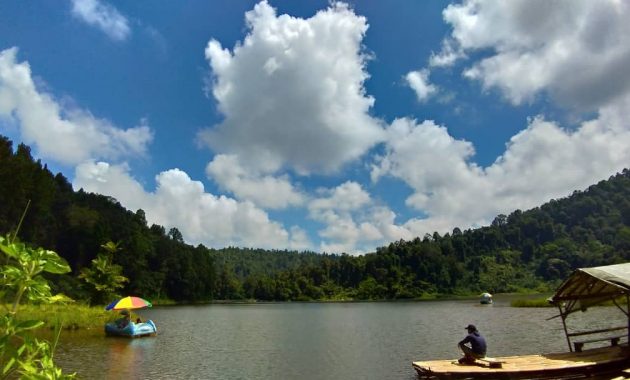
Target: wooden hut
[583,288]
[592,286]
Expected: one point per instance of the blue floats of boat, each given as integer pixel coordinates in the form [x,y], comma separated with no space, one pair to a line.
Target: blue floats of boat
[131,330]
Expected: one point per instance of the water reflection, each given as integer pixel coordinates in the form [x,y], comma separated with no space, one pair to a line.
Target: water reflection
[125,357]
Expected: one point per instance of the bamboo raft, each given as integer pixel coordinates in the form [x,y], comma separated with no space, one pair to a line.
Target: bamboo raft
[569,365]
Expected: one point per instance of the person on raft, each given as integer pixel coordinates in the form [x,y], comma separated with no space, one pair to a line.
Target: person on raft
[121,323]
[476,348]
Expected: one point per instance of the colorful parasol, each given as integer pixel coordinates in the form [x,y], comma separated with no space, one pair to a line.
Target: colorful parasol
[129,302]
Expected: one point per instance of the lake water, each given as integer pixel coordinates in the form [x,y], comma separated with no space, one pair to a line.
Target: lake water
[376,340]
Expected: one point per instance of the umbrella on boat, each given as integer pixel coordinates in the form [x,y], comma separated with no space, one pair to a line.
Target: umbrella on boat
[129,302]
[123,326]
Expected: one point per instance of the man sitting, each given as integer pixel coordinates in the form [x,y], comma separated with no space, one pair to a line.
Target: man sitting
[477,348]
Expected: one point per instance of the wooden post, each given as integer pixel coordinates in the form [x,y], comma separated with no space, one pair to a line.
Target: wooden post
[564,325]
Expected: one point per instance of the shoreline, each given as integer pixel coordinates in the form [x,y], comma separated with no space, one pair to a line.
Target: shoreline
[75,317]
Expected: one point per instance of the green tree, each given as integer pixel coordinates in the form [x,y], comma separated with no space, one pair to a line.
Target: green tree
[104,278]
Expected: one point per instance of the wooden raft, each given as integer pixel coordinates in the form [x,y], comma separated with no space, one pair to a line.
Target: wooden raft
[542,366]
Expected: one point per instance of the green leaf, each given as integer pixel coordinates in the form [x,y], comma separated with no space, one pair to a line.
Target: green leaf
[30,324]
[55,263]
[8,366]
[11,249]
[38,290]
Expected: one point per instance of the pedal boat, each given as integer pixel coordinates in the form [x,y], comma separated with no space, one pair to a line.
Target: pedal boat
[132,330]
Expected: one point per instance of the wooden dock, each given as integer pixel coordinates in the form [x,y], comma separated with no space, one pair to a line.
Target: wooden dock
[568,365]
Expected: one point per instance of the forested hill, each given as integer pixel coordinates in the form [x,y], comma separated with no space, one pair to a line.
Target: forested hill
[542,245]
[524,250]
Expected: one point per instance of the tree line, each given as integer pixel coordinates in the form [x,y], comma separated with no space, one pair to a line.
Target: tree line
[525,250]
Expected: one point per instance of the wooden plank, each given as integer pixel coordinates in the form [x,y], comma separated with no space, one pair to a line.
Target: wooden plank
[614,340]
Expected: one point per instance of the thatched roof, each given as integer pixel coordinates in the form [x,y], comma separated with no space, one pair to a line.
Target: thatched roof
[590,286]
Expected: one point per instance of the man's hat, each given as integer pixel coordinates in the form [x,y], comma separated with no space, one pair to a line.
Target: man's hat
[471,327]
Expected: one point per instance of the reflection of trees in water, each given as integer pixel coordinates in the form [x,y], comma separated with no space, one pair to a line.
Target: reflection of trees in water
[125,357]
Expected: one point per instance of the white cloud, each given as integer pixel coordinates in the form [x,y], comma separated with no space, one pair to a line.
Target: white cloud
[576,51]
[103,16]
[299,239]
[353,223]
[292,92]
[264,190]
[201,217]
[542,162]
[438,168]
[419,82]
[424,155]
[347,196]
[69,136]
[447,56]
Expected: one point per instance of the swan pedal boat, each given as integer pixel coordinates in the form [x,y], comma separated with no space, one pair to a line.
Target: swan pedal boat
[132,330]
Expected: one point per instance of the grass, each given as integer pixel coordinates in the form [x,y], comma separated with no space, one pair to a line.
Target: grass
[534,302]
[71,316]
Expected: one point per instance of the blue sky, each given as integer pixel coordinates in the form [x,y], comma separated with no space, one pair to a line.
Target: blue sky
[333,127]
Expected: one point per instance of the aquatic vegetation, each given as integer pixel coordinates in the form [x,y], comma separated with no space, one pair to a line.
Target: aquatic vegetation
[536,302]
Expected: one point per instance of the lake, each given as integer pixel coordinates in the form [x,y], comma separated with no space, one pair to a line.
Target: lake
[371,340]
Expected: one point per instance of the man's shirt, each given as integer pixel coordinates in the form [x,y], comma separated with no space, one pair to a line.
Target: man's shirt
[477,343]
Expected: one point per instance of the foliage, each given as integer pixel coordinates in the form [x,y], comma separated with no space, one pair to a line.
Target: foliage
[23,272]
[21,277]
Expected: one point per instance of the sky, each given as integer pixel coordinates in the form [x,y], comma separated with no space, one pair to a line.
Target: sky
[333,127]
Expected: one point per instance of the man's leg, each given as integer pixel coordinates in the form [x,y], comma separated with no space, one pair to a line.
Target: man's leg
[469,357]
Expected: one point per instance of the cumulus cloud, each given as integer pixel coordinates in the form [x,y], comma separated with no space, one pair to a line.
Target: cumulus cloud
[447,56]
[292,92]
[576,51]
[68,136]
[542,162]
[102,16]
[178,201]
[353,223]
[264,190]
[347,197]
[419,82]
